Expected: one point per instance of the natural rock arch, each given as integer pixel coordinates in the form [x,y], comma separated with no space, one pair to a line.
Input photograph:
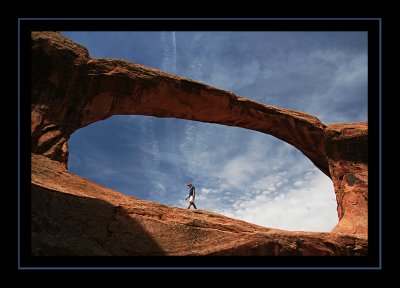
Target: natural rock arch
[180,164]
[70,90]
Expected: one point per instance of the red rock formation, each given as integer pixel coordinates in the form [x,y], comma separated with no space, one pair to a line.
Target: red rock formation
[70,90]
[347,154]
[73,216]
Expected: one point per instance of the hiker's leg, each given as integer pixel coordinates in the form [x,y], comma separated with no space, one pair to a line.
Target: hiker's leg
[194,205]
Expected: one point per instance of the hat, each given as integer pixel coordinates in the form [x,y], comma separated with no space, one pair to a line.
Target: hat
[190,184]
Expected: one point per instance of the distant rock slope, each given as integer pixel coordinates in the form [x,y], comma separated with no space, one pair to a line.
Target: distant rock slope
[70,90]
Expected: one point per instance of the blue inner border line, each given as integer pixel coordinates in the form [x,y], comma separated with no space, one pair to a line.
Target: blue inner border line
[19,145]
[204,268]
[380,143]
[196,19]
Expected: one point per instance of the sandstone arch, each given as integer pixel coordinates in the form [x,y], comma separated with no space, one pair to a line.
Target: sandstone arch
[70,90]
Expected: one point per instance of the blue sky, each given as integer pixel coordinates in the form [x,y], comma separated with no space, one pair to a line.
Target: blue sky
[237,172]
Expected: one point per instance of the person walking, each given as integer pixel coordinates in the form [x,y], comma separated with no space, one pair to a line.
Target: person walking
[192,195]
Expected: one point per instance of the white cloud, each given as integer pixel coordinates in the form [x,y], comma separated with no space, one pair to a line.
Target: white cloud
[342,87]
[205,190]
[267,182]
[306,209]
[298,183]
[230,78]
[168,41]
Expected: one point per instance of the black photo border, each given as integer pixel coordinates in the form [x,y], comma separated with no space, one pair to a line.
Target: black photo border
[370,25]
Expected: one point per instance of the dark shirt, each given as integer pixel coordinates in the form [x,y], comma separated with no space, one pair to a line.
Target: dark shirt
[191,191]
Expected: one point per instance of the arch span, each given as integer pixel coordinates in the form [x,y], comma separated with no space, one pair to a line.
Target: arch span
[70,90]
[149,157]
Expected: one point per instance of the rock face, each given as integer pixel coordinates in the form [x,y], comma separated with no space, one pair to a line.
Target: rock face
[73,216]
[347,154]
[70,90]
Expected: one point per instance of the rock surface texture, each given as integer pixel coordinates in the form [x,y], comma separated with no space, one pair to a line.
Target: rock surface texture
[73,216]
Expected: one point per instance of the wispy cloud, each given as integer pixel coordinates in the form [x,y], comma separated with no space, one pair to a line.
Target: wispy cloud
[168,41]
[301,71]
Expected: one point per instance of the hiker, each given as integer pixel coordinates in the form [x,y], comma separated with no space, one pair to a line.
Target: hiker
[192,195]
